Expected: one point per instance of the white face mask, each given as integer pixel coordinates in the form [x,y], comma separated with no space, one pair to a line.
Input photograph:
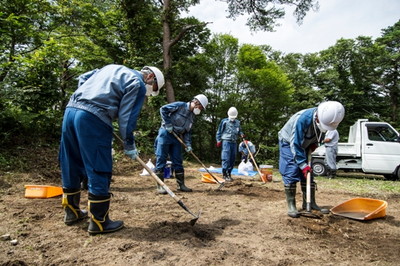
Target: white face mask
[232,119]
[320,128]
[196,111]
[149,90]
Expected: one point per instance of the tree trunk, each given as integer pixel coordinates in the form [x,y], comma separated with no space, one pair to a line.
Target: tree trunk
[167,52]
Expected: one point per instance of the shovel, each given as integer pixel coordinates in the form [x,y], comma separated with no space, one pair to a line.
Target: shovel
[221,184]
[161,183]
[308,213]
[252,157]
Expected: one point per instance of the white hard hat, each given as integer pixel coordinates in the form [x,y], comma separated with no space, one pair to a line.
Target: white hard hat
[330,114]
[159,77]
[202,99]
[232,112]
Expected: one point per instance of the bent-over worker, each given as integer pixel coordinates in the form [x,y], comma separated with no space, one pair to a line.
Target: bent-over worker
[103,95]
[176,117]
[298,137]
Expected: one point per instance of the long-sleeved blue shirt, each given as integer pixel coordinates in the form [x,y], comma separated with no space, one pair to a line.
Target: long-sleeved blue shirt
[228,130]
[179,116]
[114,91]
[243,148]
[300,132]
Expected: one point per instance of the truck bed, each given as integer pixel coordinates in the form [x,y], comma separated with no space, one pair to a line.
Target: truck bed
[345,149]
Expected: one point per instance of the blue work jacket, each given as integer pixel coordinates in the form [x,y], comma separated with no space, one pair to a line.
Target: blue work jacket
[179,116]
[229,130]
[300,132]
[114,91]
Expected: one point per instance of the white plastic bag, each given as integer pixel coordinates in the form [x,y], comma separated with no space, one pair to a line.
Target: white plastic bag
[248,167]
[149,165]
[242,168]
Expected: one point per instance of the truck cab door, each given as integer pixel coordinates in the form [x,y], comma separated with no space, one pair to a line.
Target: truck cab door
[380,148]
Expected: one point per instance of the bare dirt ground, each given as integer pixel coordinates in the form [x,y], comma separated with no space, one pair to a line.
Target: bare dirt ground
[243,224]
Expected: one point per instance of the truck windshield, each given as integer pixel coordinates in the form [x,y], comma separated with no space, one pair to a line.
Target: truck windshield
[381,133]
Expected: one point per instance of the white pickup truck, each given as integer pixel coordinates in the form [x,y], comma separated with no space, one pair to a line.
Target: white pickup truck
[372,148]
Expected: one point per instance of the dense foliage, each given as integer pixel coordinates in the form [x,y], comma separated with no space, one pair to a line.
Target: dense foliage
[47,44]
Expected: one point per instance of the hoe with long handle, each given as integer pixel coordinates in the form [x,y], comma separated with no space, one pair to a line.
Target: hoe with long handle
[161,183]
[221,184]
[308,213]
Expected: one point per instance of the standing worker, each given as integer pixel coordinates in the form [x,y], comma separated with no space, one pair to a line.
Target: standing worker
[331,149]
[177,117]
[228,131]
[299,136]
[103,95]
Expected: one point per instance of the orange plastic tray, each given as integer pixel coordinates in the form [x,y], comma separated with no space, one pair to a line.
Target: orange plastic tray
[207,178]
[361,209]
[42,191]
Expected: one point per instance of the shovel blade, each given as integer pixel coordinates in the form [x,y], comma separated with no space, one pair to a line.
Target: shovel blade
[193,221]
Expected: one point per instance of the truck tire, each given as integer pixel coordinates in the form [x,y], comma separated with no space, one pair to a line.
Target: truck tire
[319,167]
[390,177]
[398,173]
[395,176]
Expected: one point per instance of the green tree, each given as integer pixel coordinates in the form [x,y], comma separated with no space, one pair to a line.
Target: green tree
[349,76]
[301,70]
[266,94]
[265,13]
[390,63]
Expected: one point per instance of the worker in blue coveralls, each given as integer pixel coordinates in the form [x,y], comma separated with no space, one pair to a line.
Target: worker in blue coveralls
[227,134]
[103,95]
[297,139]
[244,151]
[331,149]
[176,117]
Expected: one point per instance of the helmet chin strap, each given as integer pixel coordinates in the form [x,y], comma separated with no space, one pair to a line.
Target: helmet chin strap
[315,130]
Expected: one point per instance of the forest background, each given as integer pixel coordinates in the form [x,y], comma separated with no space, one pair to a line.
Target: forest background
[47,44]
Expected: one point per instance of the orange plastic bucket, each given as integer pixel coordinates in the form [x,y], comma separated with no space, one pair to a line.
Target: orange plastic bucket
[361,209]
[266,173]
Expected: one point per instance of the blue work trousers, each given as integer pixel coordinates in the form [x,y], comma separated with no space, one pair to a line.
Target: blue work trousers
[86,151]
[167,144]
[228,155]
[289,169]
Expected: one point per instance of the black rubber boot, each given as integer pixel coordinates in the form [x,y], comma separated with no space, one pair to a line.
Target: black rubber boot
[84,183]
[333,173]
[100,223]
[313,204]
[226,176]
[70,202]
[180,180]
[328,173]
[160,189]
[230,176]
[290,191]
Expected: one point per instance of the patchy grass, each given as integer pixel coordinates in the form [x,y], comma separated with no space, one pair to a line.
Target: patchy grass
[361,184]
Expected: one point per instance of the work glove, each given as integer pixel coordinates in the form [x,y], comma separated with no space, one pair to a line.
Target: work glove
[306,170]
[188,149]
[169,128]
[219,144]
[131,153]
